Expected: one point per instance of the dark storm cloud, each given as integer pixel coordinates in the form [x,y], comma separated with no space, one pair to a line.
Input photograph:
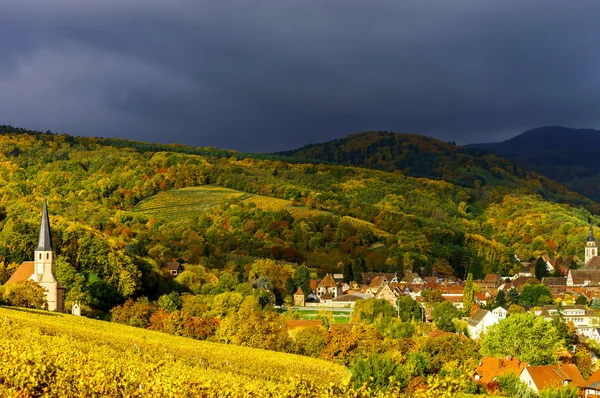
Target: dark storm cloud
[271,75]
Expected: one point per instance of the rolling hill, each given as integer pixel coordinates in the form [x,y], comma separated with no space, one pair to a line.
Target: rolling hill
[119,209]
[421,156]
[63,355]
[566,155]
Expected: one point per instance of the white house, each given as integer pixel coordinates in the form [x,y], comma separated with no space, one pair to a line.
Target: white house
[479,323]
[500,312]
[582,319]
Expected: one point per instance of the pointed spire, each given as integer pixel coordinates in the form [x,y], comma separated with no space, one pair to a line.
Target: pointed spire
[45,240]
[591,233]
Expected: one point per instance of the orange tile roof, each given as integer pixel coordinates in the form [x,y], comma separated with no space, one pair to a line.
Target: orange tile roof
[595,377]
[22,273]
[554,375]
[328,281]
[491,367]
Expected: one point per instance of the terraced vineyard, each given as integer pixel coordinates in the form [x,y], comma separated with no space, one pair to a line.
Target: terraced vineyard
[191,202]
[187,202]
[49,354]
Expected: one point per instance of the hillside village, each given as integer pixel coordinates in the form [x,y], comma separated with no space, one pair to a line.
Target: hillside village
[493,301]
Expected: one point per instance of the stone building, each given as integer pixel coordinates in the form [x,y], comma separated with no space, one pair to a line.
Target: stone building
[41,269]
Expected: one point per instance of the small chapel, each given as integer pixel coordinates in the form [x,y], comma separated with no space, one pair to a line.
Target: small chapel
[41,269]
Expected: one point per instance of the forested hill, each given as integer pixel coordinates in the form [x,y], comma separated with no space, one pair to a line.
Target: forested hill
[421,156]
[119,209]
[566,155]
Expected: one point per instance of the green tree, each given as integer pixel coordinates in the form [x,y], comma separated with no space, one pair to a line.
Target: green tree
[535,295]
[169,302]
[409,309]
[431,297]
[348,274]
[469,294]
[581,300]
[525,336]
[370,309]
[301,279]
[443,313]
[476,268]
[376,370]
[357,270]
[513,296]
[500,299]
[541,271]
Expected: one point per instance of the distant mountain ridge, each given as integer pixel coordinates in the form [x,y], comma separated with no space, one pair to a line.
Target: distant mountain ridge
[566,155]
[421,156]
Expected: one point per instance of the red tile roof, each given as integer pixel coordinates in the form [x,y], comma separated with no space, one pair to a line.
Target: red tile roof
[489,368]
[554,375]
[22,273]
[328,281]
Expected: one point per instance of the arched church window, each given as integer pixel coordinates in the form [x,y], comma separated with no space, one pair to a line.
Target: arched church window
[47,256]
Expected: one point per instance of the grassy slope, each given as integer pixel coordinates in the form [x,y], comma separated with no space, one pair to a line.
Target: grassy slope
[40,349]
[186,203]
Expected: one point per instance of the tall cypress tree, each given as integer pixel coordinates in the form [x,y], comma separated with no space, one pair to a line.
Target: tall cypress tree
[500,299]
[348,274]
[469,294]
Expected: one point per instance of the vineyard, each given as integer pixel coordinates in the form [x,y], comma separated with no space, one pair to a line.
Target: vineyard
[48,354]
[191,202]
[186,203]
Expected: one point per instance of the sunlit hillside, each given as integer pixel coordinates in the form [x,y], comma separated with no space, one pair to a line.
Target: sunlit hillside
[64,355]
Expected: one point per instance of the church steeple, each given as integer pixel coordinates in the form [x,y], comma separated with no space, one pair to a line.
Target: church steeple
[45,239]
[591,250]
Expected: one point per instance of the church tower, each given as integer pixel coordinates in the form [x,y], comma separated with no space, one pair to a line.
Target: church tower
[43,269]
[44,255]
[591,249]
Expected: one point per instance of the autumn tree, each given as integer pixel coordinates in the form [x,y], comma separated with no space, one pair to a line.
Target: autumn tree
[469,294]
[369,309]
[253,327]
[26,294]
[431,297]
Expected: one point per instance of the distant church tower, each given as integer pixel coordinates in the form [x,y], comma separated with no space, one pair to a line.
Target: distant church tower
[591,249]
[41,269]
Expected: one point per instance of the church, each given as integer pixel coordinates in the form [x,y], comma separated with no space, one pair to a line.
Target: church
[41,269]
[591,250]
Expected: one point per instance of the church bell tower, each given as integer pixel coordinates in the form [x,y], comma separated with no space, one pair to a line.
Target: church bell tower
[44,254]
[591,249]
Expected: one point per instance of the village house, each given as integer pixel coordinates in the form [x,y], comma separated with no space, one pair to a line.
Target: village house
[328,288]
[173,267]
[500,312]
[539,378]
[581,318]
[479,322]
[583,277]
[41,269]
[591,389]
[387,293]
[490,368]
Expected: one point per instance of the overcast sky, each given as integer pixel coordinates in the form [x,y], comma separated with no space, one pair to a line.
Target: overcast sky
[266,75]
